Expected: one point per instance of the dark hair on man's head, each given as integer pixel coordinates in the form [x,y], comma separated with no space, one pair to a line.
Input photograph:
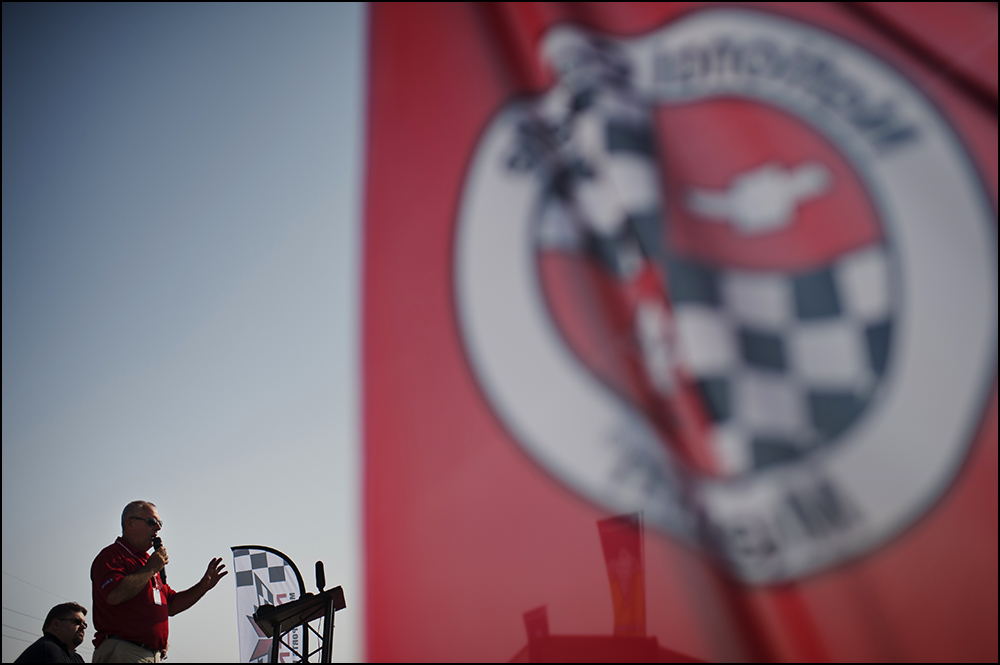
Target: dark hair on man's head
[62,611]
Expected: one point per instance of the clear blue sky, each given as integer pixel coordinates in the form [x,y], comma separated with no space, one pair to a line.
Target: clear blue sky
[181,192]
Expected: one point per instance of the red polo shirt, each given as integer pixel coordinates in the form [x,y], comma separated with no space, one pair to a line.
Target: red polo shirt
[142,618]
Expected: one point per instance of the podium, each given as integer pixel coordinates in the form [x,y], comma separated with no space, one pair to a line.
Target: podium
[278,620]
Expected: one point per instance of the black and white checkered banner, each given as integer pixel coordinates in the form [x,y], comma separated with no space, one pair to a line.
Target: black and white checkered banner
[263,577]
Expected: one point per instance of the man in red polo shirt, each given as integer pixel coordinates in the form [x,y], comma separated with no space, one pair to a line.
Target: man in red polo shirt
[132,600]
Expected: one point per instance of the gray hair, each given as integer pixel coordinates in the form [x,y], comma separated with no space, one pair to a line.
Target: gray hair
[133,509]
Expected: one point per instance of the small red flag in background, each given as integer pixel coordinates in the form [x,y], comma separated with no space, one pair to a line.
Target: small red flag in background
[730,266]
[621,540]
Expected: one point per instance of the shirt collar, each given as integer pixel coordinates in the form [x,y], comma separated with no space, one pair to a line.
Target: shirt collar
[128,546]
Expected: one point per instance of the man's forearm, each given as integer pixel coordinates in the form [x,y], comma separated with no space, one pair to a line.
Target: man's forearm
[185,599]
[130,586]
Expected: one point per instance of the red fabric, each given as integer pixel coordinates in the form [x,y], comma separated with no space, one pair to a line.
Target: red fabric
[463,532]
[142,618]
[959,37]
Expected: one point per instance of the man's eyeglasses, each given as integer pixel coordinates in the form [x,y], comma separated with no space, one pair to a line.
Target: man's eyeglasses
[76,621]
[151,521]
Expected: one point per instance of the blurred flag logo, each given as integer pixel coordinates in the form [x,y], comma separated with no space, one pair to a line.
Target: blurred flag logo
[745,382]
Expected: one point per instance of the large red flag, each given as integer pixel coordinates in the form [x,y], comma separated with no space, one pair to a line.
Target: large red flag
[732,267]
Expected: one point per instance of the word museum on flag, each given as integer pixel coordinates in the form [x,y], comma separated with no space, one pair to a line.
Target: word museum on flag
[680,332]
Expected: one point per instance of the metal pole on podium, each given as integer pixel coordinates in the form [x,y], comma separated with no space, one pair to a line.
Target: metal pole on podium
[327,654]
[275,645]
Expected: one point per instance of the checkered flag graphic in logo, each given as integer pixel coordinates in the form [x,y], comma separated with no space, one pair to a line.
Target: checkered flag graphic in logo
[783,361]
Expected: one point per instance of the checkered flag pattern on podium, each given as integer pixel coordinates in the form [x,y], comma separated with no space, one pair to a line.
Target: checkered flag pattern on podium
[270,567]
[262,577]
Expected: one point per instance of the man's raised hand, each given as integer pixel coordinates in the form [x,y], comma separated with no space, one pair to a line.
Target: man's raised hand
[215,572]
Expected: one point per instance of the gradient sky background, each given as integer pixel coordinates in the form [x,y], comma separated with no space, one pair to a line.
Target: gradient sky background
[181,192]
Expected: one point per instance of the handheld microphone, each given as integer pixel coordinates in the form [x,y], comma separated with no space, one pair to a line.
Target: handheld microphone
[157,544]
